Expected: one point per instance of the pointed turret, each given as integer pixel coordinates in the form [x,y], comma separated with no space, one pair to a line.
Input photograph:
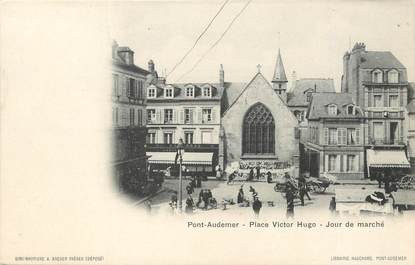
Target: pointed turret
[279,80]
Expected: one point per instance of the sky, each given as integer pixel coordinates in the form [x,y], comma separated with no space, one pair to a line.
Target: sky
[312,35]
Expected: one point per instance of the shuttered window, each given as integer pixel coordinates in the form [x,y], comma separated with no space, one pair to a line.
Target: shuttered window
[357,136]
[326,136]
[333,136]
[342,136]
[140,117]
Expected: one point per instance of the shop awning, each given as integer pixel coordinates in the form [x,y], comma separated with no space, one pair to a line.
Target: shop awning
[161,157]
[387,158]
[189,158]
[192,158]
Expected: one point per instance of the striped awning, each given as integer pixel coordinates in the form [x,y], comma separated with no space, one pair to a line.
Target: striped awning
[387,158]
[189,158]
[161,157]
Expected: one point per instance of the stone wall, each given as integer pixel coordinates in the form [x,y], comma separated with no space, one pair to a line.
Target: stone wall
[260,91]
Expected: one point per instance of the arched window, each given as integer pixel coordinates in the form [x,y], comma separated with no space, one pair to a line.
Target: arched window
[258,131]
[377,76]
[393,76]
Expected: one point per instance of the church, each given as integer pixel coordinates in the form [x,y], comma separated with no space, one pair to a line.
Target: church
[231,124]
[258,128]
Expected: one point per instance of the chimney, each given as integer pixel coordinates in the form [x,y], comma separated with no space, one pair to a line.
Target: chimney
[114,49]
[221,76]
[127,54]
[151,66]
[294,80]
[161,80]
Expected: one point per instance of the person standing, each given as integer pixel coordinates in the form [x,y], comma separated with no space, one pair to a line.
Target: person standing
[290,202]
[218,172]
[380,177]
[205,197]
[258,172]
[198,181]
[269,177]
[332,206]
[256,206]
[251,174]
[302,185]
[189,189]
[241,196]
[189,205]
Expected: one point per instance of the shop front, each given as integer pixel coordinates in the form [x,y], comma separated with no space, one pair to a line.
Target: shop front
[390,162]
[194,163]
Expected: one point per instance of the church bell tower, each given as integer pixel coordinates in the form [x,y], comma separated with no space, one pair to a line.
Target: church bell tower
[279,80]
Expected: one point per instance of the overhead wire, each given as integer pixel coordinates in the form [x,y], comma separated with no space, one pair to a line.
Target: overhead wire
[217,41]
[198,38]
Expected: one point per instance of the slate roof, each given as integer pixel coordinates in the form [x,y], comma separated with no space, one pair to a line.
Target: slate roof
[217,92]
[411,91]
[298,97]
[279,71]
[318,107]
[119,62]
[376,59]
[131,68]
[233,90]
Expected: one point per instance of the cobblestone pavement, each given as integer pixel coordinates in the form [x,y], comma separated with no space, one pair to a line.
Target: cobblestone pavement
[221,190]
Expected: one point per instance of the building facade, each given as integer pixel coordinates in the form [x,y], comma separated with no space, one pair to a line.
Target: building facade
[410,125]
[334,142]
[191,112]
[258,129]
[128,110]
[378,83]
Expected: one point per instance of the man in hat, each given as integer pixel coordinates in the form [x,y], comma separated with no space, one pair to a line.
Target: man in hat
[256,206]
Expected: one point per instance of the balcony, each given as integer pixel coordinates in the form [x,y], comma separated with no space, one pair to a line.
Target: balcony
[370,83]
[386,141]
[187,147]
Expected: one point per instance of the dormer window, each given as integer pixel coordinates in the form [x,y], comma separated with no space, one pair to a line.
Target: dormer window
[309,95]
[393,76]
[350,110]
[168,92]
[190,92]
[377,76]
[332,110]
[207,91]
[151,92]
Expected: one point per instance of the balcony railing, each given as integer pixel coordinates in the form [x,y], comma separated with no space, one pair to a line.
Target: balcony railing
[386,141]
[173,147]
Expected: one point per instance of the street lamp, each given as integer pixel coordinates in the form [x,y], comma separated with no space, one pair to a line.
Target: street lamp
[180,148]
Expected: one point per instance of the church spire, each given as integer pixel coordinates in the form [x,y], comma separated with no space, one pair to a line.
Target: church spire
[279,81]
[279,72]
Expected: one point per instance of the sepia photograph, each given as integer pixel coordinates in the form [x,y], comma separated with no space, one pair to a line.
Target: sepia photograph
[258,114]
[207,132]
